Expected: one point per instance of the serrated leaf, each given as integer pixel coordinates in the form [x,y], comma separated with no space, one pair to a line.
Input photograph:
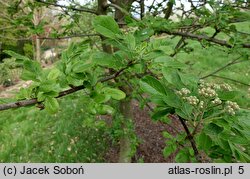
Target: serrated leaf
[172,76]
[151,85]
[51,105]
[53,74]
[106,26]
[161,113]
[27,75]
[81,67]
[188,79]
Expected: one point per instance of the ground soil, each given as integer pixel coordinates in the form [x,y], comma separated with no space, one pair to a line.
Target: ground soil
[151,141]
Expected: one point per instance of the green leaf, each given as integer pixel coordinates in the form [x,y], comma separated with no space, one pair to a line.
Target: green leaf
[161,113]
[114,93]
[53,74]
[168,150]
[24,93]
[81,67]
[169,62]
[172,99]
[182,156]
[41,96]
[27,75]
[172,76]
[16,55]
[167,135]
[106,26]
[213,130]
[106,60]
[32,66]
[100,98]
[144,34]
[151,85]
[204,142]
[32,70]
[51,105]
[48,86]
[188,79]
[227,95]
[130,40]
[105,109]
[163,59]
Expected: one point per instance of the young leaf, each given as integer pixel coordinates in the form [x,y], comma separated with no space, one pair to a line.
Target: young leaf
[81,67]
[53,74]
[114,93]
[51,105]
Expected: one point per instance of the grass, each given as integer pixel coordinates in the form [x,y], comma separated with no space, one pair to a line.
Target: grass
[30,135]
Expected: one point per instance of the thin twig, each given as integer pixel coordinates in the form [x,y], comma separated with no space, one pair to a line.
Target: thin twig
[235,61]
[68,37]
[190,137]
[204,37]
[230,79]
[92,11]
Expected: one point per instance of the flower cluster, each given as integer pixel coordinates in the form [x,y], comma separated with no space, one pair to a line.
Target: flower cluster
[201,104]
[226,87]
[216,101]
[183,92]
[231,107]
[207,92]
[208,96]
[193,100]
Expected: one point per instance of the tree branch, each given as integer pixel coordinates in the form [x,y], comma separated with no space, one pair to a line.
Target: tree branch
[68,37]
[204,37]
[169,9]
[92,11]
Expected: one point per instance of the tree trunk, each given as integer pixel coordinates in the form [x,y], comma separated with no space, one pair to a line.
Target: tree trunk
[126,111]
[38,49]
[125,105]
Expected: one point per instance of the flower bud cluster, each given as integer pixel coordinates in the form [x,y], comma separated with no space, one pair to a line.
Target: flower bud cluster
[216,101]
[231,107]
[201,105]
[183,92]
[226,87]
[207,92]
[193,100]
